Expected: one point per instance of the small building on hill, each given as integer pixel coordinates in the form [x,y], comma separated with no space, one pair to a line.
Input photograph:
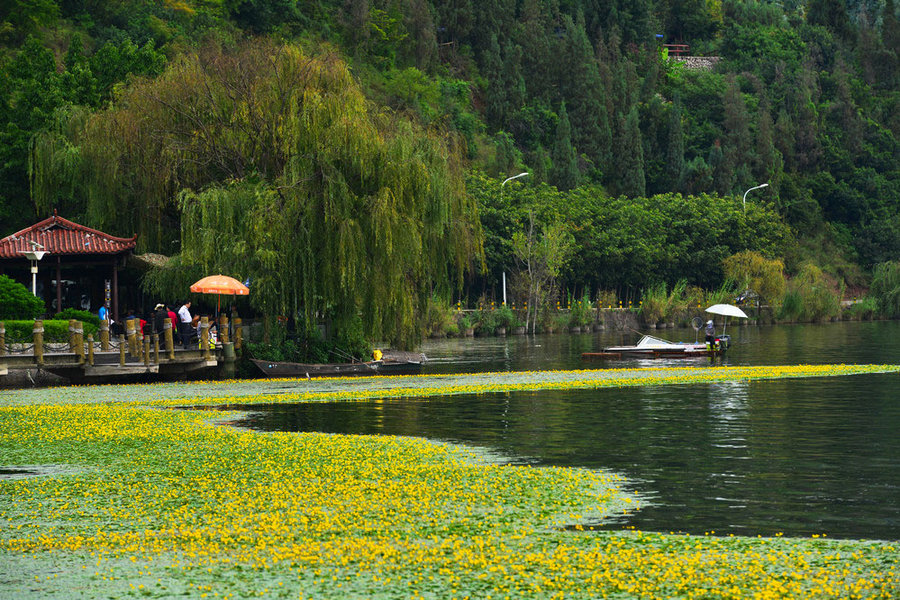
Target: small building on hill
[78,267]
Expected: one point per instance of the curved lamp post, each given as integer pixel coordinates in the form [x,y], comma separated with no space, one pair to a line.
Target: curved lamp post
[505,181]
[750,190]
[34,255]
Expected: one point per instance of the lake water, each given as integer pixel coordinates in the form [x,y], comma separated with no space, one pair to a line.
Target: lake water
[792,456]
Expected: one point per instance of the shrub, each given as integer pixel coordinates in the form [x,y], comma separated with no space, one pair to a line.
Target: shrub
[654,303]
[864,310]
[79,315]
[439,318]
[885,290]
[487,321]
[56,331]
[810,297]
[507,318]
[581,312]
[16,302]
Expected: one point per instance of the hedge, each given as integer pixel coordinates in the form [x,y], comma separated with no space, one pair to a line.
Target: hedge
[54,331]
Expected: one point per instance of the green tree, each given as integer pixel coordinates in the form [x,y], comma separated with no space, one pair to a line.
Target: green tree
[564,172]
[280,154]
[675,147]
[17,302]
[750,270]
[542,255]
[631,158]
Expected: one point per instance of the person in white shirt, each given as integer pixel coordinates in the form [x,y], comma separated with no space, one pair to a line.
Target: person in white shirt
[184,324]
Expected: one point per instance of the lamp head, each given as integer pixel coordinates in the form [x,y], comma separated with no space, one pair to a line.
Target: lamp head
[33,254]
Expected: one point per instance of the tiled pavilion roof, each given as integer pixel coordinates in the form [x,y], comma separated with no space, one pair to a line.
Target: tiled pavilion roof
[59,236]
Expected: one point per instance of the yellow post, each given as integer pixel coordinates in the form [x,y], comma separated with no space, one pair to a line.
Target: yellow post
[71,335]
[146,351]
[104,335]
[121,350]
[222,329]
[204,337]
[90,345]
[130,334]
[38,333]
[169,339]
[238,333]
[79,341]
[155,339]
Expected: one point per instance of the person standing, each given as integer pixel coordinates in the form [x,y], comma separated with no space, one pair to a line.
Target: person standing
[710,335]
[184,324]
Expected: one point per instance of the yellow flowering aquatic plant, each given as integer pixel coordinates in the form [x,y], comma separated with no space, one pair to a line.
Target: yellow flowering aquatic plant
[124,499]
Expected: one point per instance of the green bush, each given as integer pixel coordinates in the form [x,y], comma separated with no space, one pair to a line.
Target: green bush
[487,321]
[16,302]
[864,310]
[810,297]
[55,330]
[79,315]
[885,290]
[507,318]
[581,312]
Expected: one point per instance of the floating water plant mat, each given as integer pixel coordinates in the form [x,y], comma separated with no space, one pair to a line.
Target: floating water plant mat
[163,503]
[363,388]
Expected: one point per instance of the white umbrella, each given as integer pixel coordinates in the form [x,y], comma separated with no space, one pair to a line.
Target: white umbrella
[727,310]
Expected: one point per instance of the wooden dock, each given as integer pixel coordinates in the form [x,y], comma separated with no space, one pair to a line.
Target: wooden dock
[131,355]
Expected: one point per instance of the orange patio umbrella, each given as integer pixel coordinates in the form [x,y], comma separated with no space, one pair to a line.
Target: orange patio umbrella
[220,284]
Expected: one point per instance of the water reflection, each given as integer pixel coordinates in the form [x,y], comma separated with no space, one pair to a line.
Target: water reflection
[801,457]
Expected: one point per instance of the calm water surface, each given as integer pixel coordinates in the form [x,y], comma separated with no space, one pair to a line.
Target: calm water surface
[800,457]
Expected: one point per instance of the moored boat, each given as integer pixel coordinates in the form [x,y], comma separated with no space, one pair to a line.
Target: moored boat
[391,363]
[653,347]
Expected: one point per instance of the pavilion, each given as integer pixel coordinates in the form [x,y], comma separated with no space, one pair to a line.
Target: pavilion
[81,265]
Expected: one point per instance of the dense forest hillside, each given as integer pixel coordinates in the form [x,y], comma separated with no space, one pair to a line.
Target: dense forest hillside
[151,117]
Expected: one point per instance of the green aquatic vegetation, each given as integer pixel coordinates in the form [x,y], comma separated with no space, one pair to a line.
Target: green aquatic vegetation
[160,503]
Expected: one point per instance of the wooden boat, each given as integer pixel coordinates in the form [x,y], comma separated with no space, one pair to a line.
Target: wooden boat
[391,363]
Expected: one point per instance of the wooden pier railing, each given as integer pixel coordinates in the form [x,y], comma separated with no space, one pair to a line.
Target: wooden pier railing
[81,357]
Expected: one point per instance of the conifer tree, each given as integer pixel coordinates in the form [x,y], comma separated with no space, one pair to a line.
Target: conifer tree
[564,171]
[582,88]
[633,182]
[675,147]
[768,161]
[736,156]
[891,28]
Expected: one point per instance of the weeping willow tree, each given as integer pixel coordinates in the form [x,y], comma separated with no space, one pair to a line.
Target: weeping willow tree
[276,167]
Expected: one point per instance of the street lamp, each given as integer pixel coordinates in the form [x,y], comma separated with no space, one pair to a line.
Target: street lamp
[34,256]
[750,190]
[505,181]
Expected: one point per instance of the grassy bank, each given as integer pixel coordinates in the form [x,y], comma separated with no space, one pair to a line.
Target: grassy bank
[132,500]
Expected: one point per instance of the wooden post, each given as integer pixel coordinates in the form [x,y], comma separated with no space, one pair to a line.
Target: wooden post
[2,339]
[132,338]
[204,337]
[38,333]
[104,335]
[238,333]
[169,339]
[154,338]
[146,351]
[222,329]
[121,350]
[79,341]
[90,345]
[71,335]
